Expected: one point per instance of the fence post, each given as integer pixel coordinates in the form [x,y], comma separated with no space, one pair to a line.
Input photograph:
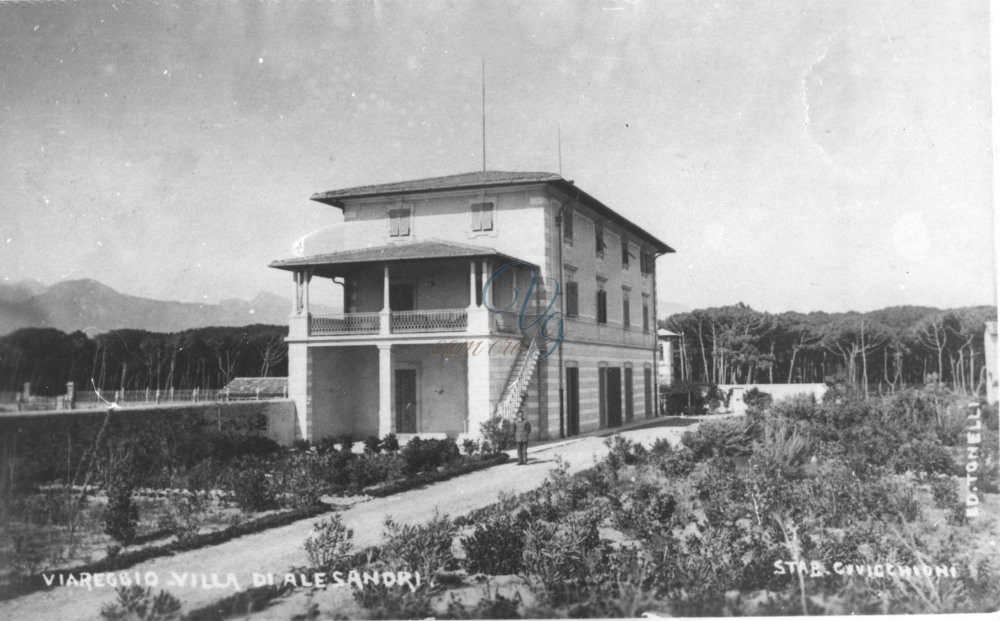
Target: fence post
[194,394]
[71,395]
[157,395]
[147,394]
[117,396]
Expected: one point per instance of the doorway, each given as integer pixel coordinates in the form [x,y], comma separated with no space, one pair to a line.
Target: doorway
[406,400]
[572,401]
[614,397]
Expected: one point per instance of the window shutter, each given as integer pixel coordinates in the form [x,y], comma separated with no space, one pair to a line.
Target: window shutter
[572,293]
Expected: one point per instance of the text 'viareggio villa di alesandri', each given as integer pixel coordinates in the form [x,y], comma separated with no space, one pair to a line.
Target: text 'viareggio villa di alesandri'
[417,348]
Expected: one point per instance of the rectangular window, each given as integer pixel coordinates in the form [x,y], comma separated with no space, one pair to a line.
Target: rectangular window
[647,389]
[482,217]
[572,299]
[626,319]
[624,253]
[399,222]
[568,226]
[599,239]
[646,262]
[602,306]
[645,314]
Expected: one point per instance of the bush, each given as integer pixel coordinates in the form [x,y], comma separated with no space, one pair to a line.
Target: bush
[420,455]
[135,602]
[329,543]
[425,548]
[495,546]
[678,463]
[470,446]
[693,398]
[372,445]
[231,445]
[182,516]
[390,443]
[644,510]
[121,515]
[625,451]
[725,438]
[557,557]
[497,433]
[250,487]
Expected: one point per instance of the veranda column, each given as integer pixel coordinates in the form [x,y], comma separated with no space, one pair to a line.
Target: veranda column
[385,317]
[384,389]
[478,383]
[298,321]
[307,275]
[472,284]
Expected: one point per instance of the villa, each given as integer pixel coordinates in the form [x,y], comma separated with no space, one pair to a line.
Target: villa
[471,296]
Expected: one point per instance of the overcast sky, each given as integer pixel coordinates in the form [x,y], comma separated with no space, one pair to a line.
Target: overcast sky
[798,156]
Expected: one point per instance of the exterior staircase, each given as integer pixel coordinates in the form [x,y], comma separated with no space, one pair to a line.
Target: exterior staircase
[517,383]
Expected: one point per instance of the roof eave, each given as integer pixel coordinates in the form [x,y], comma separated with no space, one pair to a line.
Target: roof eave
[338,201]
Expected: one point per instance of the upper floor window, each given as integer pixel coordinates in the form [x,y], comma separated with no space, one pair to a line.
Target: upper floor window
[626,314]
[399,222]
[572,298]
[624,253]
[567,226]
[599,239]
[647,262]
[645,314]
[482,216]
[602,304]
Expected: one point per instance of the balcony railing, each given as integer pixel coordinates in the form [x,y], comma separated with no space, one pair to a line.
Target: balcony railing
[443,320]
[402,322]
[347,323]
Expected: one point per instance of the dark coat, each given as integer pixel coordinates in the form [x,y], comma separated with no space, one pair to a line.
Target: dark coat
[522,429]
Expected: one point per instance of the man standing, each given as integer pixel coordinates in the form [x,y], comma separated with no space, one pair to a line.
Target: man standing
[522,429]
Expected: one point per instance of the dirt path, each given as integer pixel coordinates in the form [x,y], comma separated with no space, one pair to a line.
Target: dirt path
[278,549]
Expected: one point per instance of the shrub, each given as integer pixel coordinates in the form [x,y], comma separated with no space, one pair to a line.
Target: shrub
[327,444]
[556,556]
[346,442]
[757,400]
[121,515]
[250,487]
[329,543]
[470,446]
[372,470]
[495,546]
[497,433]
[425,548]
[644,510]
[678,463]
[299,477]
[135,602]
[182,516]
[390,443]
[420,454]
[725,438]
[625,451]
[372,444]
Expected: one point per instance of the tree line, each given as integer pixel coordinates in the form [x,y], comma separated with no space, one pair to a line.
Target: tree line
[881,350]
[204,358]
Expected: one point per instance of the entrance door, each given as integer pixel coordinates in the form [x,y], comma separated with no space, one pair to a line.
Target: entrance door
[406,401]
[614,397]
[572,401]
[402,297]
[629,406]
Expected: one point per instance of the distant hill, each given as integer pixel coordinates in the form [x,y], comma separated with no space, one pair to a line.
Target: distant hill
[94,307]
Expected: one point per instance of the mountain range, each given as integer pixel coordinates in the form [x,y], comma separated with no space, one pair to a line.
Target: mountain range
[93,307]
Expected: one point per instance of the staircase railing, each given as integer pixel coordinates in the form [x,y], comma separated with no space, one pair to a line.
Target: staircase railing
[513,395]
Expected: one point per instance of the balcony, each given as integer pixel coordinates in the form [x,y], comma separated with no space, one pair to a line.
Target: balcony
[401,322]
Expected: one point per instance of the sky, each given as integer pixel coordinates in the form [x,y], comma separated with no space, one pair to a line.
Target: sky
[797,155]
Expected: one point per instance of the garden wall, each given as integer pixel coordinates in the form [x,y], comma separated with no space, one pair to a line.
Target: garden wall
[777,392]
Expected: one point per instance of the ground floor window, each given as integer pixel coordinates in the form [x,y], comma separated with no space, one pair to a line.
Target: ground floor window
[647,381]
[629,406]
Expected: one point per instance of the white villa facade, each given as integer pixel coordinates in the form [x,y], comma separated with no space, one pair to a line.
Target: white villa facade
[418,350]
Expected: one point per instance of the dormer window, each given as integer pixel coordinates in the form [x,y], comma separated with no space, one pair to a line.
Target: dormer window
[599,239]
[482,216]
[399,222]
